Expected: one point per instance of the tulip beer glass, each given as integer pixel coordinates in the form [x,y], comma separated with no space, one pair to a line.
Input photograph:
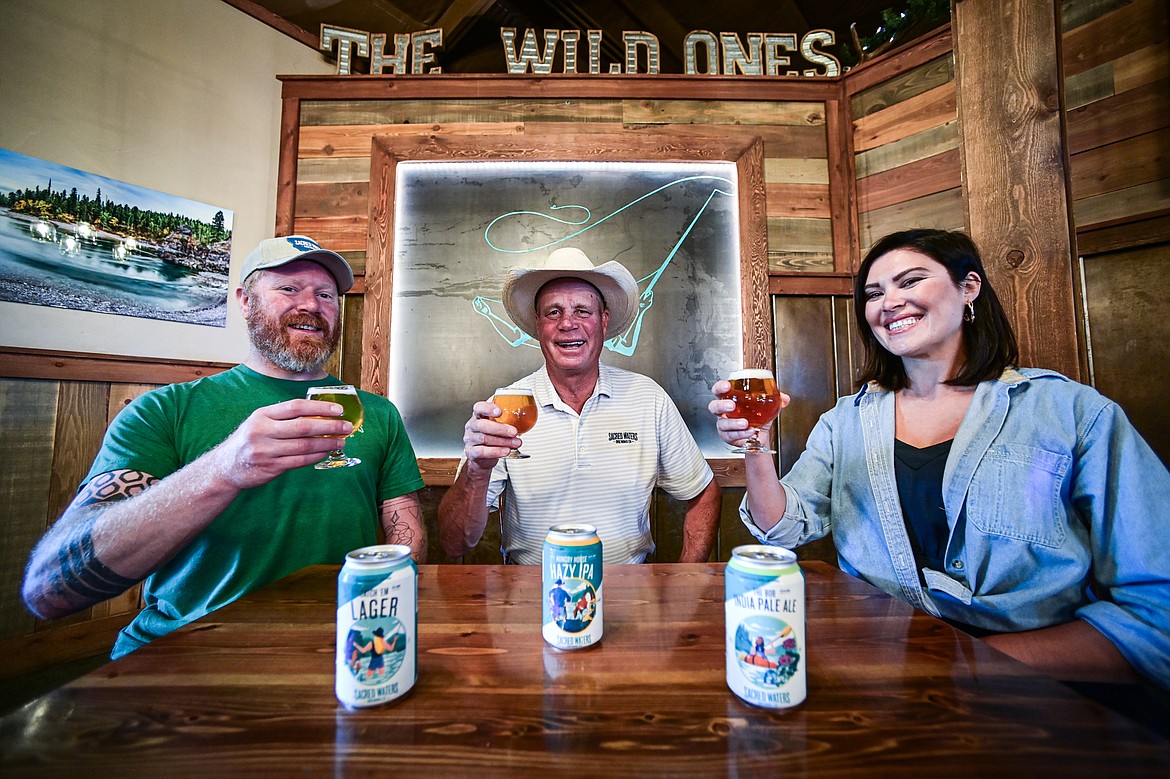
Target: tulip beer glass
[346,396]
[757,400]
[519,408]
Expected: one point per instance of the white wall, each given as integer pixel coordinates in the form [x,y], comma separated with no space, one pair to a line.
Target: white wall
[178,96]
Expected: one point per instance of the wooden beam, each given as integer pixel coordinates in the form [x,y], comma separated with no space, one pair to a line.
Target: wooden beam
[278,23]
[810,284]
[579,86]
[1009,98]
[22,363]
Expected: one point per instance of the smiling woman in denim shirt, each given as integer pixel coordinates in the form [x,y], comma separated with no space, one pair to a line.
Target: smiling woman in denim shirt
[1013,502]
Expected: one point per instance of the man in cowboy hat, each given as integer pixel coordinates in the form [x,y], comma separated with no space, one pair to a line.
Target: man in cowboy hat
[604,437]
[206,489]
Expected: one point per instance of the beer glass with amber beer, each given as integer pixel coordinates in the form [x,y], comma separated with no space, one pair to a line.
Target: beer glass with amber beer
[757,400]
[345,396]
[519,408]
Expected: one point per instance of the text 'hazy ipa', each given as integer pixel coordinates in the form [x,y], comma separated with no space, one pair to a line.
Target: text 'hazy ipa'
[377,626]
[756,397]
[767,656]
[571,563]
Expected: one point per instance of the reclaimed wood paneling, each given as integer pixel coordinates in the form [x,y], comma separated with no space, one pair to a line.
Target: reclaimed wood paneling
[912,148]
[1125,115]
[340,198]
[1126,29]
[340,233]
[349,368]
[1142,67]
[28,413]
[909,84]
[913,115]
[1129,234]
[1126,296]
[1122,204]
[798,200]
[64,643]
[735,112]
[788,170]
[849,353]
[83,410]
[1089,87]
[331,170]
[842,173]
[888,66]
[319,113]
[732,532]
[1128,163]
[1074,13]
[800,244]
[942,211]
[21,363]
[907,182]
[792,141]
[806,369]
[353,140]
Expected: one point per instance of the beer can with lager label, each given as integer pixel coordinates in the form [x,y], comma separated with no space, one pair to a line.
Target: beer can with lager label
[571,563]
[767,656]
[377,625]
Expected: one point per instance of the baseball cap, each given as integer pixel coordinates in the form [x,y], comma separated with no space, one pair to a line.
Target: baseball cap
[274,252]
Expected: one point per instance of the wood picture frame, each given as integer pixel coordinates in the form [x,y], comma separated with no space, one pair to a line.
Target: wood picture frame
[559,143]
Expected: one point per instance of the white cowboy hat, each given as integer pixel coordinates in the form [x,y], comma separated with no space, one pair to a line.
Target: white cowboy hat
[613,281]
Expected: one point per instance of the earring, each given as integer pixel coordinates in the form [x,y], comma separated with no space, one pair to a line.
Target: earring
[969,314]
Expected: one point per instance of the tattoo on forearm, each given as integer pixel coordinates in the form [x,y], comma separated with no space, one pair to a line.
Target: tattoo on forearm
[81,575]
[399,530]
[115,485]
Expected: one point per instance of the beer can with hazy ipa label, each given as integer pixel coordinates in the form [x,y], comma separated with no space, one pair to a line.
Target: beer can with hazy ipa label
[767,657]
[377,624]
[572,586]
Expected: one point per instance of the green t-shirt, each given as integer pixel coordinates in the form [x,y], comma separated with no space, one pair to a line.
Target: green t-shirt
[302,517]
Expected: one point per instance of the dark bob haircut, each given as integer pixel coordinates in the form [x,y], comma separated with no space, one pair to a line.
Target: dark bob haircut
[989,343]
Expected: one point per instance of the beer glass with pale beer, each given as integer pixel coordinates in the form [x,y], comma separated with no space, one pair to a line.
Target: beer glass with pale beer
[757,400]
[346,396]
[519,408]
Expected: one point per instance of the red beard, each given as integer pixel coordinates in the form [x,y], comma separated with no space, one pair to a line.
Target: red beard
[304,354]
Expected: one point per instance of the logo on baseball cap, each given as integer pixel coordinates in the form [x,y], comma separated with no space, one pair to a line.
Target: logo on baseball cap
[275,252]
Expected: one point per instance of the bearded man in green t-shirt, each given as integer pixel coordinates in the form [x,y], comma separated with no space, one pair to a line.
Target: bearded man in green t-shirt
[206,489]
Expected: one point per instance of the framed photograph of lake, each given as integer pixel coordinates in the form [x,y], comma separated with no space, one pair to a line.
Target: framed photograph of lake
[73,239]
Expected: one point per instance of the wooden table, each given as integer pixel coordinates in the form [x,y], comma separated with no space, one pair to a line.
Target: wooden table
[892,692]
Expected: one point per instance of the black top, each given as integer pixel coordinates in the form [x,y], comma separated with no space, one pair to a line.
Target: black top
[919,473]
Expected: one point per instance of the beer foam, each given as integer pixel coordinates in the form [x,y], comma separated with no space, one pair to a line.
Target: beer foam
[512,391]
[750,373]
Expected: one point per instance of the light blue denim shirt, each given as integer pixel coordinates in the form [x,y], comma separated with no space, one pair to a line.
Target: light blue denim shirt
[1058,510]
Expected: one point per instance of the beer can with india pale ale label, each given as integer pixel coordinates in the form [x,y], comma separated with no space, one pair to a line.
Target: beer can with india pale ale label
[571,564]
[767,656]
[377,625]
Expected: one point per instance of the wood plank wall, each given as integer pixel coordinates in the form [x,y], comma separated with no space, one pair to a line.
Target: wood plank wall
[906,147]
[1116,58]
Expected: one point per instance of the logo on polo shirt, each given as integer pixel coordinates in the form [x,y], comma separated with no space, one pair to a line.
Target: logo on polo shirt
[623,438]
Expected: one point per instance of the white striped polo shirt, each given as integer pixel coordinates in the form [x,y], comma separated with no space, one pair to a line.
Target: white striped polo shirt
[600,467]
